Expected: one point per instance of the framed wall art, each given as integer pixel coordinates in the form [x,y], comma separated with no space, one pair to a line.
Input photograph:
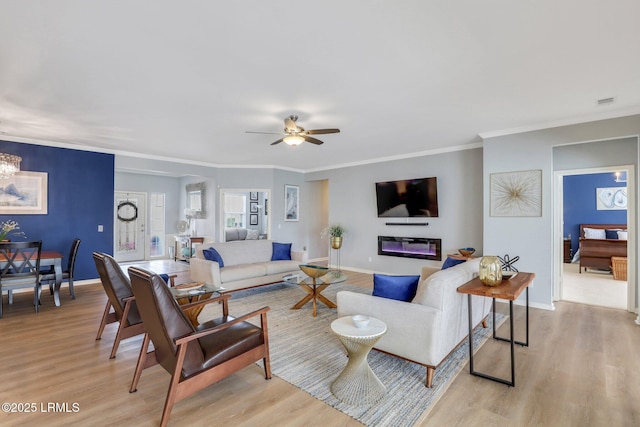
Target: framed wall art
[291,203]
[516,194]
[611,198]
[253,219]
[25,193]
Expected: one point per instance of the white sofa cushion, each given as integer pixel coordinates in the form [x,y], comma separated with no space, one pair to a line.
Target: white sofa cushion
[276,267]
[240,251]
[237,272]
[431,290]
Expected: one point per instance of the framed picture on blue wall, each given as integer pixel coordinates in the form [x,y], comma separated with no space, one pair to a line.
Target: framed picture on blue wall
[25,193]
[611,198]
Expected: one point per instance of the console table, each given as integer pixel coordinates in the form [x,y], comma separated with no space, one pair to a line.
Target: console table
[509,290]
[185,242]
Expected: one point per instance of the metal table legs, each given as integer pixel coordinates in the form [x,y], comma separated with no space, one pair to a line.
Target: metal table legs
[510,340]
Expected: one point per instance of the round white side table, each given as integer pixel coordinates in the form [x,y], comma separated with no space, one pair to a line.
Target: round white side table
[357,384]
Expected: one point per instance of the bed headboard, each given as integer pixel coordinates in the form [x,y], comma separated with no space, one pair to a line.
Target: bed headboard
[602,227]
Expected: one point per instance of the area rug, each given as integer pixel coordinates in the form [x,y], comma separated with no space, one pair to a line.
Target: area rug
[306,353]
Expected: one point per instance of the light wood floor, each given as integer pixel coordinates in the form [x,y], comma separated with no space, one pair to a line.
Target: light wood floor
[582,369]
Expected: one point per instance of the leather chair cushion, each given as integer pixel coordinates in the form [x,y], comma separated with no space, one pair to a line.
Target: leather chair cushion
[228,343]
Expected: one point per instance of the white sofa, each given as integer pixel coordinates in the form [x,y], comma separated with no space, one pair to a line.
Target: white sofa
[247,263]
[426,330]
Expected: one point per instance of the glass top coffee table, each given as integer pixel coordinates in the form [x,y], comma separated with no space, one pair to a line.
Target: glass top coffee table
[192,292]
[315,280]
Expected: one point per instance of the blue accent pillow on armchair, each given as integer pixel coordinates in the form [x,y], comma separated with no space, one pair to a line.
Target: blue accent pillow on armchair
[213,255]
[401,288]
[281,252]
[450,262]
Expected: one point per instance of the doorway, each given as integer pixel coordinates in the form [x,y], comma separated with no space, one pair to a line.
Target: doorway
[129,226]
[575,202]
[244,214]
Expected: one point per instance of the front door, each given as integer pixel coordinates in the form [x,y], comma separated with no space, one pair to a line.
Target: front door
[130,226]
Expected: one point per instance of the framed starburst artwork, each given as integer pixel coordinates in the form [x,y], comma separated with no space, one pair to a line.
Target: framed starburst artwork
[516,193]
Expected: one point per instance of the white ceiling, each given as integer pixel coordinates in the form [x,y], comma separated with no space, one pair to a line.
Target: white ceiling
[185,79]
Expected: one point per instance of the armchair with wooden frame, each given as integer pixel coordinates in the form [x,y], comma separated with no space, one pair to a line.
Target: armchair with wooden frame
[196,357]
[120,296]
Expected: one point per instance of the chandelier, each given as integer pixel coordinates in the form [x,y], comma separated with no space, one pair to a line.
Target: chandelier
[9,165]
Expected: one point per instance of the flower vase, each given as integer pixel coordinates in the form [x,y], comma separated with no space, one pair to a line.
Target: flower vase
[490,271]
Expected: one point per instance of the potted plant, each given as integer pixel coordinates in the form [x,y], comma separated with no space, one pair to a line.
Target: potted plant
[335,233]
[9,228]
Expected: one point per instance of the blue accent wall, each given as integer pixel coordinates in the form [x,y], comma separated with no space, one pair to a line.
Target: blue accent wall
[580,204]
[80,197]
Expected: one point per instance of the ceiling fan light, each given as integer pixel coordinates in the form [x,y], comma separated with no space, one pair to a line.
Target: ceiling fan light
[293,139]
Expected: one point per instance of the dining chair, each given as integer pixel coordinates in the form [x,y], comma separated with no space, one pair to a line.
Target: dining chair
[195,357]
[120,296]
[50,277]
[20,263]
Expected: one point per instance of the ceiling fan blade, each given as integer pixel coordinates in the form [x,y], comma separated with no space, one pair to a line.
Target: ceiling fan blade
[278,141]
[267,133]
[319,131]
[290,124]
[312,140]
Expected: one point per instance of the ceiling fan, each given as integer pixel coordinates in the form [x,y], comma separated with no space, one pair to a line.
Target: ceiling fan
[296,135]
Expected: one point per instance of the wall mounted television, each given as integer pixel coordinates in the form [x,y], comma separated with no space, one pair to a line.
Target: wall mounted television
[407,198]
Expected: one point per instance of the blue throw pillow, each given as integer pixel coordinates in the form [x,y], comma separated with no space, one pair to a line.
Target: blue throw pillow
[165,277]
[213,255]
[450,262]
[401,288]
[611,234]
[281,252]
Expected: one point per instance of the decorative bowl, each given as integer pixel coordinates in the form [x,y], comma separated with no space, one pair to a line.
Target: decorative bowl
[508,274]
[360,320]
[186,287]
[466,252]
[314,270]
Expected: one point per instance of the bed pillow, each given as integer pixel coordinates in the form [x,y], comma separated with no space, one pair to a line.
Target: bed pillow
[594,233]
[401,288]
[281,252]
[213,255]
[622,235]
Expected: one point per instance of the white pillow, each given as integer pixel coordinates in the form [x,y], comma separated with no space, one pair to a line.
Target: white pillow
[252,234]
[594,233]
[622,235]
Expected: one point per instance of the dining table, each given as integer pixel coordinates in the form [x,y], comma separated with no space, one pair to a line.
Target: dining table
[48,259]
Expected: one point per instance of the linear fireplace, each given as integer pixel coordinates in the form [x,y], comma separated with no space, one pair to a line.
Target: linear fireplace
[410,247]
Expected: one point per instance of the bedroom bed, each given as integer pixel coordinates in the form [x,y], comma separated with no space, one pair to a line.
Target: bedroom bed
[599,242]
